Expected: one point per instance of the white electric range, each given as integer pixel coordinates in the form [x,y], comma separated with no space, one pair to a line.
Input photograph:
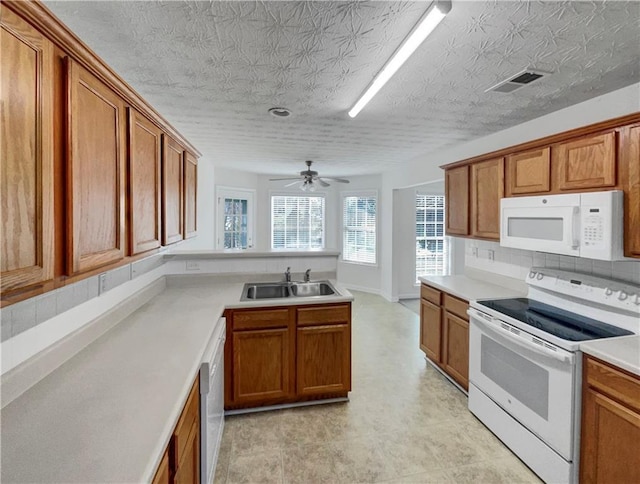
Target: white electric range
[525,367]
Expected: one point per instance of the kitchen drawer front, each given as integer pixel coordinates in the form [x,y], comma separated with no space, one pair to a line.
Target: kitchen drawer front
[430,294]
[187,420]
[310,316]
[616,383]
[456,306]
[260,318]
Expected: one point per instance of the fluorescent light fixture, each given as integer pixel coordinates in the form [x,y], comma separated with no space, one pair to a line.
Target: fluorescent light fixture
[429,21]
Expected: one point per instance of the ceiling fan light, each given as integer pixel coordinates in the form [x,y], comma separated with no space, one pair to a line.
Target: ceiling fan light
[430,20]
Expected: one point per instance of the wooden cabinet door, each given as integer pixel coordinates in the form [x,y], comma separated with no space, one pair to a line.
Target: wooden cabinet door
[430,330]
[163,474]
[457,200]
[455,356]
[26,152]
[528,172]
[586,162]
[630,163]
[263,365]
[190,195]
[145,143]
[487,188]
[323,359]
[172,191]
[95,171]
[610,440]
[188,470]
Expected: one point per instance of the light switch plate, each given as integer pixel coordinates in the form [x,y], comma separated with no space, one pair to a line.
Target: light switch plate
[102,283]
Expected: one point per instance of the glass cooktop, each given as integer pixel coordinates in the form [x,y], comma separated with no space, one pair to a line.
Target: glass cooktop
[558,322]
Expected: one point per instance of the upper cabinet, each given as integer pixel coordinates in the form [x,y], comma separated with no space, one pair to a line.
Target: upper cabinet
[95,168]
[190,195]
[487,188]
[172,191]
[26,173]
[145,144]
[457,200]
[588,162]
[630,157]
[528,172]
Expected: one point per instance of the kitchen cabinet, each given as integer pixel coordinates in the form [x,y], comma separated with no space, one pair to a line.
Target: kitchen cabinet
[444,333]
[588,162]
[456,182]
[487,188]
[630,163]
[172,191]
[528,172]
[180,463]
[430,322]
[190,195]
[26,152]
[323,350]
[610,424]
[95,169]
[287,354]
[145,143]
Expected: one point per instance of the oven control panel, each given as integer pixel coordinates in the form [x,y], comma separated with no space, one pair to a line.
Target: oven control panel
[617,294]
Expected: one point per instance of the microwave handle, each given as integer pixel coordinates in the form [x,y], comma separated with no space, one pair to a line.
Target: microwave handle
[575,228]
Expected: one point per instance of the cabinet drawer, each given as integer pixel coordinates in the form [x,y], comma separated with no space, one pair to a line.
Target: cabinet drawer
[618,384]
[456,306]
[260,318]
[314,315]
[430,294]
[187,420]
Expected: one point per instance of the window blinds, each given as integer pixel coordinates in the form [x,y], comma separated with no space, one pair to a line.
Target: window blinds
[359,219]
[297,222]
[432,247]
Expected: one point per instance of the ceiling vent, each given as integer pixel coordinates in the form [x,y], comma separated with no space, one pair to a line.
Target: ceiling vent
[517,81]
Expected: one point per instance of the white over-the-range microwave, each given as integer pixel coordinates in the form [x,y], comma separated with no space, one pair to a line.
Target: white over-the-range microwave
[586,225]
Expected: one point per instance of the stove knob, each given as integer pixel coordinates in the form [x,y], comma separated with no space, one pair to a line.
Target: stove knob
[608,291]
[637,301]
[532,274]
[623,295]
[540,276]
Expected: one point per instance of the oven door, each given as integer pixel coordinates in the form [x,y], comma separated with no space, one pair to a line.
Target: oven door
[534,383]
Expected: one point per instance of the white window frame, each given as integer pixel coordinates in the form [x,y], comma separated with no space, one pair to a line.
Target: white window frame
[241,193]
[299,193]
[446,239]
[361,194]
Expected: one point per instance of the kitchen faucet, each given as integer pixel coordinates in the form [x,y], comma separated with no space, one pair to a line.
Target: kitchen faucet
[307,275]
[287,275]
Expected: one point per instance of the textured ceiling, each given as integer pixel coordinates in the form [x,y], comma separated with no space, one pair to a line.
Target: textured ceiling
[214,68]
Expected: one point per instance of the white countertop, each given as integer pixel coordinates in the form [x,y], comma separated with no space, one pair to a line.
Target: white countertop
[469,289]
[107,414]
[623,352]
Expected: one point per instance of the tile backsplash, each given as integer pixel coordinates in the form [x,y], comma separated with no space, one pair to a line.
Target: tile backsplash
[491,257]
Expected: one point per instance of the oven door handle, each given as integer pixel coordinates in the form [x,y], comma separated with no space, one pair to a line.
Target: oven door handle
[494,325]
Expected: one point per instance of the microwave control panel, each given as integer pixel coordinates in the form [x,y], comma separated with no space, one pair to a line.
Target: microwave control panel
[601,225]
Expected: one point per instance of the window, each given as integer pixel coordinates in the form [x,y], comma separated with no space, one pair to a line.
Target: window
[235,209]
[432,247]
[359,229]
[297,222]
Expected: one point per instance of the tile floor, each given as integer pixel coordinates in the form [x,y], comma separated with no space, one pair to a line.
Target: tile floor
[404,422]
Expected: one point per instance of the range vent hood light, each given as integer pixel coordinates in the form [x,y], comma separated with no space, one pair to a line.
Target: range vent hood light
[429,21]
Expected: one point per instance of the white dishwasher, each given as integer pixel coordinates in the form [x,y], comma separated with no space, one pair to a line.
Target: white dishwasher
[212,402]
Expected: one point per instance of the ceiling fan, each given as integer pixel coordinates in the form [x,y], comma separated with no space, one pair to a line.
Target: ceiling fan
[308,178]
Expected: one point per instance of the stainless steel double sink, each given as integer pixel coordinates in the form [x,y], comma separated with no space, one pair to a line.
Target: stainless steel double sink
[280,290]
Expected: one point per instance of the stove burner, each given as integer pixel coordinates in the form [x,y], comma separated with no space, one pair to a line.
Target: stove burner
[558,322]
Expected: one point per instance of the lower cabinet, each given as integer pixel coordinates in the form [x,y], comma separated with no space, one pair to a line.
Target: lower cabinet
[181,461]
[610,424]
[287,354]
[444,333]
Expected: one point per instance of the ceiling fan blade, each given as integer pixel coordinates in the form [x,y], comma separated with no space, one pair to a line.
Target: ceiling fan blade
[339,180]
[322,182]
[282,179]
[294,183]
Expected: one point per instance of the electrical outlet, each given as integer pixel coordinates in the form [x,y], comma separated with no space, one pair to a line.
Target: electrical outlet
[193,265]
[491,254]
[102,283]
[474,251]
